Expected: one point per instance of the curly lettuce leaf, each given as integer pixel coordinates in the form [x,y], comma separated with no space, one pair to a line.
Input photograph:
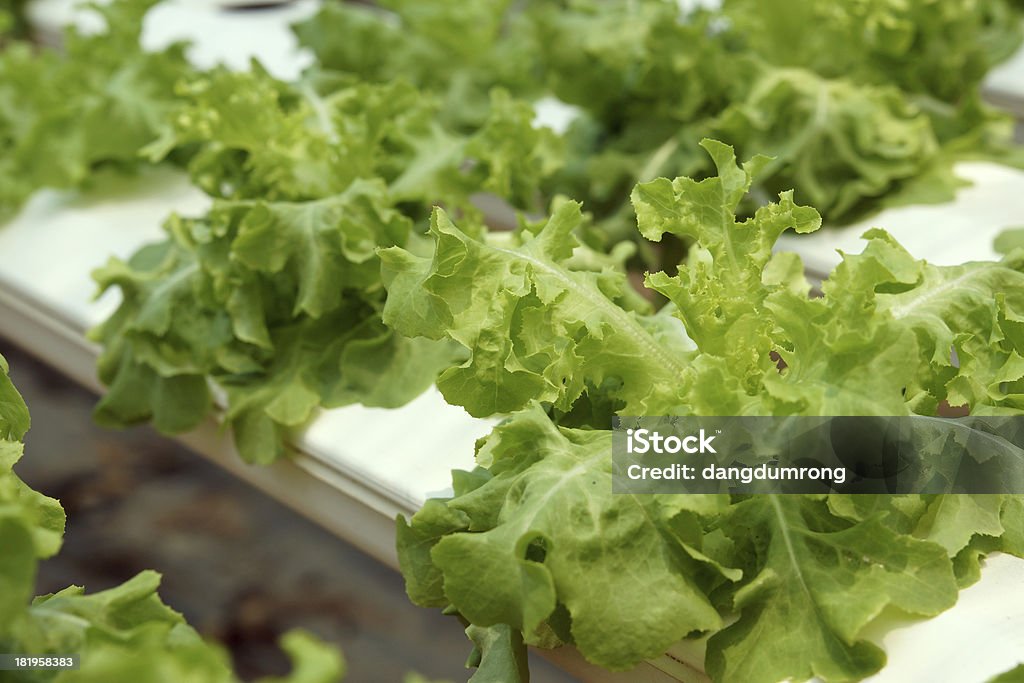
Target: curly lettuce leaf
[514,526]
[459,52]
[839,144]
[535,327]
[966,320]
[881,308]
[261,138]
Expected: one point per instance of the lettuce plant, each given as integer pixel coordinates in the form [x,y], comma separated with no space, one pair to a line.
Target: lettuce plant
[273,299]
[623,577]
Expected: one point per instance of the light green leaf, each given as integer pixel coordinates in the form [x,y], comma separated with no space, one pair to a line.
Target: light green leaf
[326,245]
[816,582]
[534,327]
[951,520]
[313,661]
[534,559]
[502,655]
[14,418]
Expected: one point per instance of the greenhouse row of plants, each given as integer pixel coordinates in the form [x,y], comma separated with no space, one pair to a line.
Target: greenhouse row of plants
[553,215]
